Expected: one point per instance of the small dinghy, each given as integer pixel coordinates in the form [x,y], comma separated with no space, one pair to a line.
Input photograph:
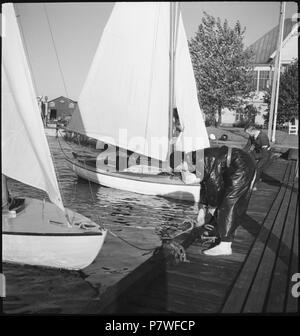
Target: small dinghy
[129,102]
[40,235]
[35,232]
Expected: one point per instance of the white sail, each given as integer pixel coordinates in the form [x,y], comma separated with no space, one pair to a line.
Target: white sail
[125,97]
[25,153]
[127,86]
[194,135]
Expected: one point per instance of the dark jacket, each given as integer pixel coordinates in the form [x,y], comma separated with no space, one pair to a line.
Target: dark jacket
[260,143]
[219,178]
[226,185]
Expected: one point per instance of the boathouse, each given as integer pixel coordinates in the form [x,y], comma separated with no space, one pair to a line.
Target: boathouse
[61,108]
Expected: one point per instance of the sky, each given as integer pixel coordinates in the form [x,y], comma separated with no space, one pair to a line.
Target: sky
[77,27]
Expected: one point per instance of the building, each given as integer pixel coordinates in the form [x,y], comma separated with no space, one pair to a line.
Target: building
[60,108]
[264,50]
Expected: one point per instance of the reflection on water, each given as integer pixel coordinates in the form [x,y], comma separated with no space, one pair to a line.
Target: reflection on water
[33,289]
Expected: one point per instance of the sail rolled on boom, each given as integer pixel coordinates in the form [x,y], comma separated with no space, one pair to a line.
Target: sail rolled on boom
[125,98]
[25,153]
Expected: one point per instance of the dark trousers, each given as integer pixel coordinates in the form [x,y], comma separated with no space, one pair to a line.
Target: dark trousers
[262,161]
[235,194]
[232,209]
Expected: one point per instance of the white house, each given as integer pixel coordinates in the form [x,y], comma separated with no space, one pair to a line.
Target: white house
[263,61]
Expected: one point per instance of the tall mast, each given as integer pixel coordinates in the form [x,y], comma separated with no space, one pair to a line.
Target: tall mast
[276,76]
[4,191]
[174,15]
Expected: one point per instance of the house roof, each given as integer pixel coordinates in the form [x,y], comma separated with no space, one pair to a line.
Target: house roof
[265,46]
[62,97]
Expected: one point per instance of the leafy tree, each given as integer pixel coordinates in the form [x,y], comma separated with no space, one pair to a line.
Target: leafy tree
[288,95]
[222,67]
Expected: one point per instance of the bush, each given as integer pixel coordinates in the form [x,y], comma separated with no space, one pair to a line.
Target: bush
[208,123]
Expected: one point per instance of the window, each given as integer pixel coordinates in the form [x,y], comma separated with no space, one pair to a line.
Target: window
[62,101]
[51,104]
[254,80]
[71,105]
[263,80]
[269,82]
[238,117]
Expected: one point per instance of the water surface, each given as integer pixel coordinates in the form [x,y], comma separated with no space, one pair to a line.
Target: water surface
[39,290]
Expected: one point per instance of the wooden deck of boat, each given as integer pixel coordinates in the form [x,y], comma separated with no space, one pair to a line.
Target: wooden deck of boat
[255,278]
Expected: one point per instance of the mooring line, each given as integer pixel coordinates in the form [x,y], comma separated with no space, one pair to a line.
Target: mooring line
[130,244]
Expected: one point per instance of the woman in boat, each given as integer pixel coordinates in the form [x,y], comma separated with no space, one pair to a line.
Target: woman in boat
[258,146]
[227,176]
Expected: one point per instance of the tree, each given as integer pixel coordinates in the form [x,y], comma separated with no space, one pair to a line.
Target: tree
[288,95]
[247,114]
[222,67]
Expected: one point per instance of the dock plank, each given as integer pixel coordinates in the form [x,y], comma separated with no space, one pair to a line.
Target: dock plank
[256,298]
[277,294]
[209,284]
[292,302]
[242,285]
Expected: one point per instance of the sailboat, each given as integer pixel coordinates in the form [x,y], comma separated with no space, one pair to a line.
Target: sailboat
[34,232]
[141,73]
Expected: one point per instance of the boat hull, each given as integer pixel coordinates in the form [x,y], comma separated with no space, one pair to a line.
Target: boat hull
[30,239]
[65,252]
[143,185]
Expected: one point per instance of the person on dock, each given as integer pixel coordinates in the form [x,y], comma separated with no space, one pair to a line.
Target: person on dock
[227,177]
[258,146]
[57,128]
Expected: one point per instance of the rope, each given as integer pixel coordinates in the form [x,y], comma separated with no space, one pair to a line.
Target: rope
[91,192]
[63,149]
[58,62]
[90,188]
[130,244]
[87,226]
[74,188]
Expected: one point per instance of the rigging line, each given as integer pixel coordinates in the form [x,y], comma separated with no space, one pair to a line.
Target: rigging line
[91,192]
[151,79]
[58,62]
[59,183]
[66,156]
[67,217]
[18,16]
[90,187]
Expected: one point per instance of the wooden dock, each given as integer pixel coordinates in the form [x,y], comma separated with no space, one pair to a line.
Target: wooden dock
[255,278]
